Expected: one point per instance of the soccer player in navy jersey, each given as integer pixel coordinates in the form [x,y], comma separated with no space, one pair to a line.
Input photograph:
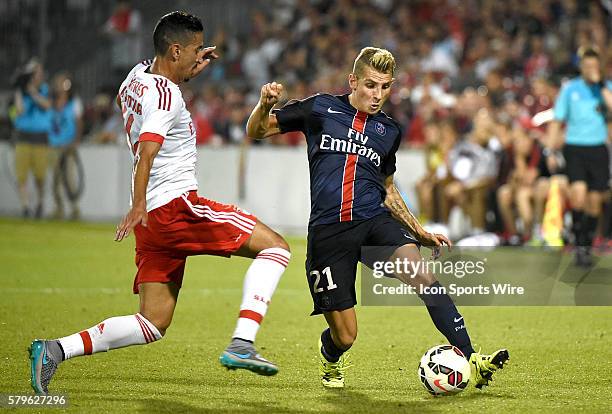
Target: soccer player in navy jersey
[354,203]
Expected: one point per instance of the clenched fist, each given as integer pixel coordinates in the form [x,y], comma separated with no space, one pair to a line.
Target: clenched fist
[270,94]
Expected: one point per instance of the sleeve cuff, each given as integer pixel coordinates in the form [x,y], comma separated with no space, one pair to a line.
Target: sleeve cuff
[150,136]
[279,120]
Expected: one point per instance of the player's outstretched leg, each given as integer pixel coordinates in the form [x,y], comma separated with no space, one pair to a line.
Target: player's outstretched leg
[157,302]
[449,321]
[271,256]
[117,332]
[333,346]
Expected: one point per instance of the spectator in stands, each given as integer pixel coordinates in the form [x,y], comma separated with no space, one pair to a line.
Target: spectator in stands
[32,124]
[103,124]
[454,58]
[64,138]
[440,137]
[472,166]
[526,189]
[124,27]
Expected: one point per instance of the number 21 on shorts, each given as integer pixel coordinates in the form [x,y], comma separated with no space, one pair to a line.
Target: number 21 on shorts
[330,282]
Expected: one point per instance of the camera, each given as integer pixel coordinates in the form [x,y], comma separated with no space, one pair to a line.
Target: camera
[21,80]
[24,74]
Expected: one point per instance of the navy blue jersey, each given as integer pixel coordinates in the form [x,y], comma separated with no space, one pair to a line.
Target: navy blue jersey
[350,153]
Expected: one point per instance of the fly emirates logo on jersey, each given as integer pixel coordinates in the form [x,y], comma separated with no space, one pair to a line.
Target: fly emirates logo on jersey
[354,144]
[133,102]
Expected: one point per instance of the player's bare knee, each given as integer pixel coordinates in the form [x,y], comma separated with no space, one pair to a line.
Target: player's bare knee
[267,239]
[279,242]
[283,244]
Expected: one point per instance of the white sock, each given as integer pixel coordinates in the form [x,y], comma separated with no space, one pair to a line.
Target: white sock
[259,284]
[111,333]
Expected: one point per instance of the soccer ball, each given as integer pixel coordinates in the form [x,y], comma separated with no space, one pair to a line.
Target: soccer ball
[444,370]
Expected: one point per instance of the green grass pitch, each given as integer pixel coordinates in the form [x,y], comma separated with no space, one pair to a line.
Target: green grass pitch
[60,278]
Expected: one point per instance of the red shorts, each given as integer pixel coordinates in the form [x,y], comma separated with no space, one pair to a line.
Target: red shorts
[188,225]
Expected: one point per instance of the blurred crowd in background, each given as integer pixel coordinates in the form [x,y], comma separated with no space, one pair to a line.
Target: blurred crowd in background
[453,58]
[471,76]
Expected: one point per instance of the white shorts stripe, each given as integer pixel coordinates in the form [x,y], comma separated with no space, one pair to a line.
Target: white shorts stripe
[219,219]
[233,216]
[245,218]
[228,220]
[246,221]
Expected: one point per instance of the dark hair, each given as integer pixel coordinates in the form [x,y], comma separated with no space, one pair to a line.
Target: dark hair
[174,27]
[587,52]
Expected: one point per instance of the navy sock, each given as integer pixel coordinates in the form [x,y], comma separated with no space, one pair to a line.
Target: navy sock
[578,227]
[589,224]
[329,349]
[448,320]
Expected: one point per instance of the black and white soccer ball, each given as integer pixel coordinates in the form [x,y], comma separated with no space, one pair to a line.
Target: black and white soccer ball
[444,370]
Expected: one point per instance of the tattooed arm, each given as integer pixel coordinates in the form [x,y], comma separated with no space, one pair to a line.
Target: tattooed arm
[399,210]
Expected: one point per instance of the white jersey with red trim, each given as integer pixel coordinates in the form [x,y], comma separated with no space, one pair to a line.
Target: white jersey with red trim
[154,110]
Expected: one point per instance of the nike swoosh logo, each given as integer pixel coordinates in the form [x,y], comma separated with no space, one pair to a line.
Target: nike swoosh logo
[243,356]
[457,319]
[437,384]
[331,111]
[45,360]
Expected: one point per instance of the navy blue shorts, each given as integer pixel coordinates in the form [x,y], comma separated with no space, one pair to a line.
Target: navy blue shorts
[334,251]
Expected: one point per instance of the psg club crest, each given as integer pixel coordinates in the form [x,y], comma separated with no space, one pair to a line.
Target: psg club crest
[380,128]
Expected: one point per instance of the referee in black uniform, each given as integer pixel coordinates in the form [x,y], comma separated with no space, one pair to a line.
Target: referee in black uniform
[583,105]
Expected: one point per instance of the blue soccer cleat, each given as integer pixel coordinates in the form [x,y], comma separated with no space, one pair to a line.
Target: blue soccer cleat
[242,355]
[42,367]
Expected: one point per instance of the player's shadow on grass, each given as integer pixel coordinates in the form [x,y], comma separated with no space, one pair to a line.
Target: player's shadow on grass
[342,402]
[333,402]
[351,402]
[176,407]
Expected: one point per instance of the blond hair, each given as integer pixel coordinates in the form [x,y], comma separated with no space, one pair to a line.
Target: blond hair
[378,59]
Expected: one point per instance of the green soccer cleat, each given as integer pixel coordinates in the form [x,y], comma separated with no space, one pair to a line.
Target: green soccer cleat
[332,373]
[42,367]
[242,355]
[483,366]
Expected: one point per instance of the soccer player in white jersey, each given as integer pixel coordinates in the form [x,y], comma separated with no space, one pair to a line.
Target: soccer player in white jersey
[169,220]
